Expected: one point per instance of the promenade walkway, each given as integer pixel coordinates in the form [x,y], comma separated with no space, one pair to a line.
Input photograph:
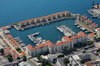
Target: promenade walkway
[86,27]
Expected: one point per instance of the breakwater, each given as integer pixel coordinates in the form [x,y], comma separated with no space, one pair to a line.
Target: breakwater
[43,20]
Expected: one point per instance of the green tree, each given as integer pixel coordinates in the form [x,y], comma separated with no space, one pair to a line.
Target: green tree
[96,54]
[90,42]
[9,57]
[84,51]
[97,39]
[45,63]
[83,44]
[65,49]
[39,57]
[2,51]
[59,56]
[71,49]
[19,50]
[24,58]
[66,60]
[98,50]
[81,61]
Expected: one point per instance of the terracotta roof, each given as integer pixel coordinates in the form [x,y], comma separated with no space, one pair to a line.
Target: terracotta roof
[9,36]
[49,43]
[92,34]
[82,33]
[89,20]
[41,45]
[13,51]
[77,36]
[89,64]
[95,25]
[14,41]
[4,40]
[84,17]
[67,38]
[5,54]
[60,43]
[16,55]
[30,47]
[98,29]
[4,28]
[8,49]
[23,53]
[13,57]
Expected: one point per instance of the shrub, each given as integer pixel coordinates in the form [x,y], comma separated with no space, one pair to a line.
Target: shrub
[59,56]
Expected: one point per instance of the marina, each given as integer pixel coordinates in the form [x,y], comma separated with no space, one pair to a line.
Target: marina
[6,31]
[19,41]
[43,20]
[86,24]
[37,40]
[82,28]
[95,13]
[65,30]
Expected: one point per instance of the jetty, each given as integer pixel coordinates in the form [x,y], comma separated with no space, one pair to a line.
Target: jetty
[95,11]
[32,38]
[43,20]
[65,30]
[37,40]
[86,23]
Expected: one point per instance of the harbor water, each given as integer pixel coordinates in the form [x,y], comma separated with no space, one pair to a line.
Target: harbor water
[13,11]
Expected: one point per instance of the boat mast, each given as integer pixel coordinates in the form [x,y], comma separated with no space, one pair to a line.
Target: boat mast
[92,4]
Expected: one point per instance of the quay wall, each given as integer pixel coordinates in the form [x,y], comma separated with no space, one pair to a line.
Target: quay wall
[43,20]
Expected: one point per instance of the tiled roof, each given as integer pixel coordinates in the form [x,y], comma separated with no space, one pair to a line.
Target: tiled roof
[89,64]
[13,51]
[13,57]
[49,43]
[92,34]
[23,53]
[95,25]
[30,47]
[8,49]
[60,43]
[77,36]
[67,38]
[82,33]
[16,55]
[14,41]
[89,20]
[43,17]
[98,29]
[5,54]
[84,17]
[9,36]
[4,28]
[41,45]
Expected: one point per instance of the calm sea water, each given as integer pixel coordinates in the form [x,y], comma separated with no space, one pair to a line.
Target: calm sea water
[12,11]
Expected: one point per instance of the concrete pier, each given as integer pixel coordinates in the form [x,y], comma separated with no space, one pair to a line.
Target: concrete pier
[43,20]
[86,23]
[86,27]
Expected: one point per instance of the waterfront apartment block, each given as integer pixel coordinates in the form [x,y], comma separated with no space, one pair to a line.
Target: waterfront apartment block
[88,24]
[58,47]
[10,45]
[98,32]
[43,20]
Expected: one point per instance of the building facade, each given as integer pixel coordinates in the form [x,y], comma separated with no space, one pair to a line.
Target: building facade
[57,47]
